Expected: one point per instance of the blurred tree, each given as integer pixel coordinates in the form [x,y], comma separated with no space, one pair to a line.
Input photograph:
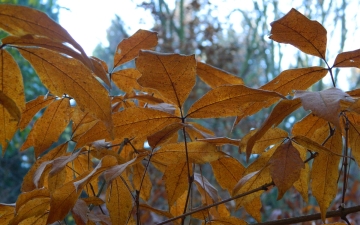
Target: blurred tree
[14,164]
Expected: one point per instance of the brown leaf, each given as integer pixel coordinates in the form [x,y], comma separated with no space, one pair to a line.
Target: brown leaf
[354,141]
[164,135]
[129,48]
[227,221]
[20,20]
[295,79]
[227,171]
[146,98]
[295,29]
[271,137]
[142,181]
[225,101]
[219,141]
[285,167]
[126,79]
[280,111]
[81,123]
[172,75]
[325,173]
[348,59]
[100,70]
[32,107]
[79,212]
[7,213]
[215,77]
[198,152]
[324,104]
[179,206]
[61,75]
[302,185]
[207,191]
[154,210]
[176,181]
[53,122]
[197,131]
[119,201]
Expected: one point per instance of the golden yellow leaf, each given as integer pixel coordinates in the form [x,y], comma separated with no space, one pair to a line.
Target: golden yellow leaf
[20,20]
[325,173]
[295,29]
[142,181]
[324,104]
[100,69]
[119,201]
[280,111]
[31,204]
[348,59]
[178,208]
[81,123]
[227,221]
[295,79]
[154,210]
[272,136]
[7,213]
[227,172]
[302,184]
[354,141]
[215,77]
[313,145]
[197,131]
[49,126]
[28,180]
[308,125]
[82,164]
[172,75]
[198,152]
[32,107]
[254,208]
[262,161]
[12,98]
[61,75]
[285,166]
[57,180]
[129,48]
[126,79]
[164,135]
[225,101]
[176,181]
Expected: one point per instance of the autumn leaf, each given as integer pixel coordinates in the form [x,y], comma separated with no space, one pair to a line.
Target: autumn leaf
[285,167]
[219,141]
[61,75]
[227,221]
[208,192]
[324,104]
[176,181]
[172,75]
[325,173]
[297,30]
[254,208]
[126,79]
[308,125]
[348,59]
[165,134]
[215,77]
[225,101]
[80,211]
[7,213]
[129,48]
[354,137]
[142,181]
[302,184]
[295,79]
[53,121]
[154,210]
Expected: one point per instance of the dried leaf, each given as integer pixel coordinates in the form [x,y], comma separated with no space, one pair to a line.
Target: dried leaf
[7,213]
[172,75]
[79,212]
[126,79]
[164,135]
[206,189]
[197,131]
[179,206]
[225,101]
[254,208]
[312,145]
[227,221]
[308,125]
[324,104]
[295,79]
[157,211]
[227,171]
[142,181]
[100,70]
[61,75]
[295,29]
[354,141]
[118,201]
[219,141]
[348,59]
[176,181]
[285,167]
[129,48]
[215,77]
[325,173]
[53,122]
[302,185]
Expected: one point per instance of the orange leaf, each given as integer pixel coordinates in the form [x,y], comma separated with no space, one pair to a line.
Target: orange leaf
[164,135]
[172,75]
[297,30]
[227,221]
[81,123]
[280,111]
[254,208]
[53,122]
[142,181]
[208,192]
[20,20]
[157,211]
[7,213]
[295,79]
[176,181]
[61,75]
[225,101]
[324,104]
[198,152]
[325,173]
[308,125]
[227,172]
[129,48]
[32,108]
[302,185]
[219,141]
[354,137]
[118,201]
[285,167]
[348,59]
[179,206]
[197,131]
[215,77]
[126,79]
[100,70]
